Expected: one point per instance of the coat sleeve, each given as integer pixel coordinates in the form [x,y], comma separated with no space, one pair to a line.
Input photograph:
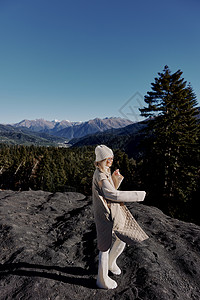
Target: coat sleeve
[110,193]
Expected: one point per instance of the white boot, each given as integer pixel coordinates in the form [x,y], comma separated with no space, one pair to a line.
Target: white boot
[115,252]
[103,280]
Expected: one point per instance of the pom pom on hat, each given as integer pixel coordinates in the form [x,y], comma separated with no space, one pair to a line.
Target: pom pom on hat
[102,152]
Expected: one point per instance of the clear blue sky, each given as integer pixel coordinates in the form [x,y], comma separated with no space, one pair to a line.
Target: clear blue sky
[81,59]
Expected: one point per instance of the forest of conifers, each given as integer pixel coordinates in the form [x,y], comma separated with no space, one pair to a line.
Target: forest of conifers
[167,168]
[71,169]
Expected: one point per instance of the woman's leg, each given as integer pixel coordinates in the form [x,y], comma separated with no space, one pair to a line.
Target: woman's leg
[103,280]
[115,252]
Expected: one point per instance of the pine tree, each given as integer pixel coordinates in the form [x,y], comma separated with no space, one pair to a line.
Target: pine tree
[172,139]
[44,173]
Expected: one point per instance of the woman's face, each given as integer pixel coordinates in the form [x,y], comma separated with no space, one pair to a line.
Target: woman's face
[109,162]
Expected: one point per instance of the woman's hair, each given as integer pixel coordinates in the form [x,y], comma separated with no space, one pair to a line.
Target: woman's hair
[102,165]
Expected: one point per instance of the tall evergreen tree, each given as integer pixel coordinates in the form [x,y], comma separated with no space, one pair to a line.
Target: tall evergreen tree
[172,140]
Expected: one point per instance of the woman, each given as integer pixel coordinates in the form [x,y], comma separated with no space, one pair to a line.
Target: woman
[112,216]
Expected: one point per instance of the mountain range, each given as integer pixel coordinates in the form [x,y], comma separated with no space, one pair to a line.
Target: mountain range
[54,133]
[70,130]
[126,138]
[16,136]
[114,131]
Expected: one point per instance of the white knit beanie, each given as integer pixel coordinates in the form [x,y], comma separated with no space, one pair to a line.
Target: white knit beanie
[102,152]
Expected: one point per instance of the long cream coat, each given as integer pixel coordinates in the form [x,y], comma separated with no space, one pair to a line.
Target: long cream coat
[111,215]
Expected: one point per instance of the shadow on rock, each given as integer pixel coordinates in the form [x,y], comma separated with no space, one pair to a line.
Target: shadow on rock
[32,270]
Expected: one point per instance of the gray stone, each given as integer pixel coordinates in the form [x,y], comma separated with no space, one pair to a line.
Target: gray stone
[48,251]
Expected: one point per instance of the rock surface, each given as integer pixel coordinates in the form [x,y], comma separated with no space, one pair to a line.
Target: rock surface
[48,251]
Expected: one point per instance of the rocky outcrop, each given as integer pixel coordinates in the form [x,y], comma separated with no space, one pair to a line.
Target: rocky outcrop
[48,251]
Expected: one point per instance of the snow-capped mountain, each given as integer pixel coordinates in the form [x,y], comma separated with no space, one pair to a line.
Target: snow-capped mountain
[71,130]
[41,125]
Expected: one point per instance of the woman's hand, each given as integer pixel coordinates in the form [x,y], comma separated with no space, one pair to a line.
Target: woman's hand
[116,172]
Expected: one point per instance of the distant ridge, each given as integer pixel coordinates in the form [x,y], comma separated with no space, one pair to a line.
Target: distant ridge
[23,136]
[126,138]
[113,131]
[70,130]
